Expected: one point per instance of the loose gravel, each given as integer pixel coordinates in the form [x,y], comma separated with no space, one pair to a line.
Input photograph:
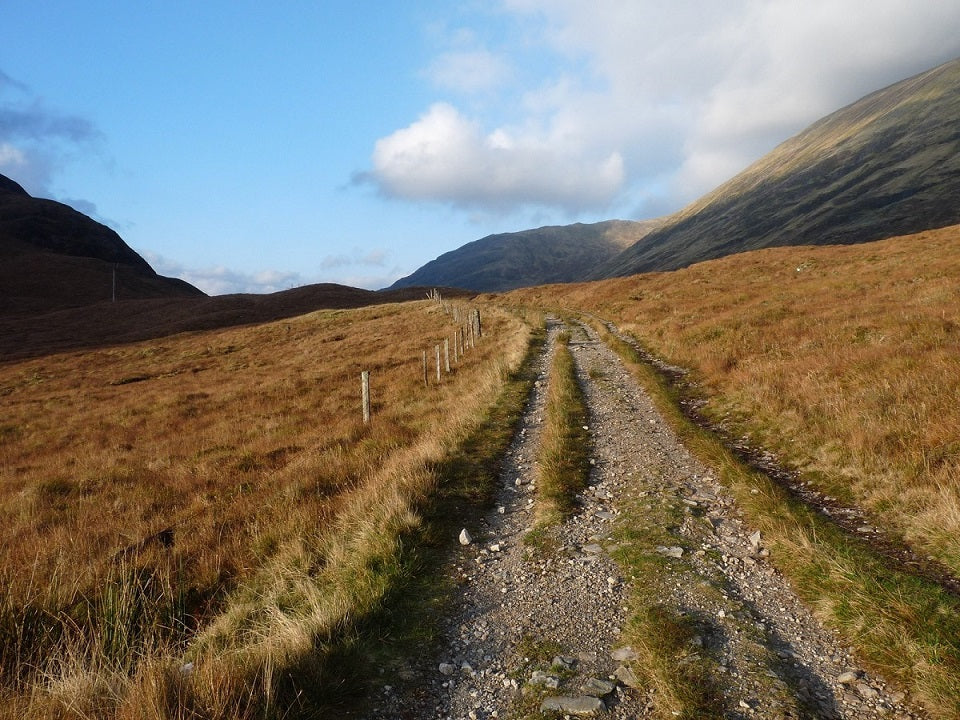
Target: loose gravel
[537,627]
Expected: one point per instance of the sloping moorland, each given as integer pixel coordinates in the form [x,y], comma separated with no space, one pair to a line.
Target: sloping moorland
[842,361]
[192,525]
[100,324]
[888,164]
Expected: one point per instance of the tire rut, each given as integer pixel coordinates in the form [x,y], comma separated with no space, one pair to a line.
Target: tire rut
[772,657]
[529,623]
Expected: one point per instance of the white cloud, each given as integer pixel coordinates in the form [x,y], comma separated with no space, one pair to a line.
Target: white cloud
[36,140]
[445,156]
[646,104]
[11,157]
[220,280]
[372,258]
[468,71]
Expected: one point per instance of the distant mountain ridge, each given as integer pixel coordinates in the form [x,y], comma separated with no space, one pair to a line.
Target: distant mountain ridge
[886,165]
[56,257]
[552,254]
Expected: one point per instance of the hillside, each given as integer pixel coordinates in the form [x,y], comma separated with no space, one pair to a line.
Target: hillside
[125,321]
[55,257]
[549,254]
[886,165]
[843,360]
[149,491]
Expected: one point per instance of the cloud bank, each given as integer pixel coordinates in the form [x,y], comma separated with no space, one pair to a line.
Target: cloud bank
[641,106]
[353,269]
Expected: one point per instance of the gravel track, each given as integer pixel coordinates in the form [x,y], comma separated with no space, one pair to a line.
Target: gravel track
[532,623]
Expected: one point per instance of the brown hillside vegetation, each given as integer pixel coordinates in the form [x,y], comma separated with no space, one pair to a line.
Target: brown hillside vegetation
[29,334]
[214,497]
[888,164]
[845,361]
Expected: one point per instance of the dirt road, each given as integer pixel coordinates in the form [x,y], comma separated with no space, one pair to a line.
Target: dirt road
[539,628]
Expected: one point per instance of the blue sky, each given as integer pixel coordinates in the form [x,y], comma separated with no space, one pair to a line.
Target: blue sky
[247,146]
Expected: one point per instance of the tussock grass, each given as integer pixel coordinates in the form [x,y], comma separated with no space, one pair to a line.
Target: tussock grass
[565,446]
[903,626]
[256,520]
[684,680]
[843,361]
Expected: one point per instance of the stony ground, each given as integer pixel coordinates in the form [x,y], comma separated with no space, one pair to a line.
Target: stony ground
[536,628]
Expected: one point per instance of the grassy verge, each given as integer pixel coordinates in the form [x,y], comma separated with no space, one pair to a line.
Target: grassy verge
[217,545]
[306,641]
[901,626]
[564,454]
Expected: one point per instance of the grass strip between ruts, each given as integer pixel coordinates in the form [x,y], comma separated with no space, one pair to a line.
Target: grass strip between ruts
[564,455]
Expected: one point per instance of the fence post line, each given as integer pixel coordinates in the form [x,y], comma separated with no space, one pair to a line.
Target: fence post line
[365,395]
[438,364]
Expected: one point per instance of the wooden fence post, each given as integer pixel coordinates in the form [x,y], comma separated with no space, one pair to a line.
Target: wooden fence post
[455,356]
[365,394]
[438,364]
[446,355]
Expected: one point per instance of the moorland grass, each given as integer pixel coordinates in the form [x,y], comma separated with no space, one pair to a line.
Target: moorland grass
[901,625]
[217,495]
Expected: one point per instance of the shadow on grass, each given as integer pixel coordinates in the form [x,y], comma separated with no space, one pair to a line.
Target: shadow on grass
[352,665]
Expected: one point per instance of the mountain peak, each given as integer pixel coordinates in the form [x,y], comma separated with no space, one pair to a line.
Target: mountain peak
[8,186]
[550,254]
[55,257]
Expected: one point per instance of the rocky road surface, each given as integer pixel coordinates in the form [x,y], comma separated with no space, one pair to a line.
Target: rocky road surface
[536,629]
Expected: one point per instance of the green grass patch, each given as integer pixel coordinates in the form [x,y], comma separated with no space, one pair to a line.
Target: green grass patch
[565,446]
[683,674]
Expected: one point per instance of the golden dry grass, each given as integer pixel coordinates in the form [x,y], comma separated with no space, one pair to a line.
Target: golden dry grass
[843,360]
[903,626]
[225,482]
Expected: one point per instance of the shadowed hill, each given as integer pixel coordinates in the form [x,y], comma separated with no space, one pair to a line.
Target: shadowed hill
[886,165]
[55,257]
[551,254]
[113,323]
